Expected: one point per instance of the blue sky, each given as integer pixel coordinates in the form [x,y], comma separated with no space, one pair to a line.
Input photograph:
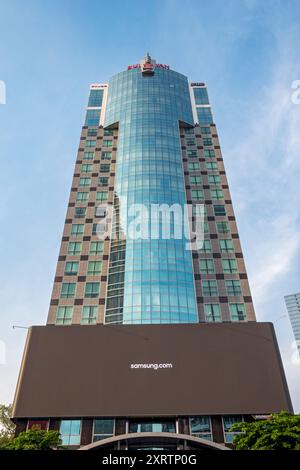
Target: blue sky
[248,54]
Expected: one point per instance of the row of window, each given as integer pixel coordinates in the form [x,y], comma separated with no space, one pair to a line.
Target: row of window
[208,153]
[105,143]
[86,181]
[194,166]
[199,426]
[207,141]
[74,249]
[196,194]
[91,155]
[212,311]
[94,132]
[205,246]
[210,288]
[207,266]
[88,168]
[89,314]
[80,212]
[203,130]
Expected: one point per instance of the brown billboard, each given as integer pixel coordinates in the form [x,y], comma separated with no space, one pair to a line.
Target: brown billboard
[151,370]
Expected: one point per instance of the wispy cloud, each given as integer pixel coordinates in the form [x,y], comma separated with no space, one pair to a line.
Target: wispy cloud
[265,167]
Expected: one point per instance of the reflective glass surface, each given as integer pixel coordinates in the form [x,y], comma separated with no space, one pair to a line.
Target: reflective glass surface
[150,280]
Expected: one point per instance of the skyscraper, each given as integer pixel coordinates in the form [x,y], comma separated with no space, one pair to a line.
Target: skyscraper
[292,302]
[174,333]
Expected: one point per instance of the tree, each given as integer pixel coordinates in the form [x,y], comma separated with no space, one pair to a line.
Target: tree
[280,432]
[7,427]
[35,439]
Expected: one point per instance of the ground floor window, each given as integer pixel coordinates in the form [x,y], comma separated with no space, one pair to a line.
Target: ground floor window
[228,421]
[103,428]
[200,426]
[70,432]
[38,424]
[152,426]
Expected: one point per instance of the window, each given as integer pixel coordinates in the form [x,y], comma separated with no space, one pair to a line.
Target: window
[212,312]
[107,143]
[222,227]
[92,289]
[199,210]
[92,117]
[190,141]
[214,179]
[103,428]
[89,315]
[70,432]
[104,168]
[219,211]
[79,212]
[194,166]
[64,316]
[197,194]
[106,156]
[209,153]
[209,288]
[189,131]
[82,196]
[228,421]
[195,179]
[205,130]
[226,245]
[84,181]
[74,248]
[207,266]
[108,132]
[233,287]
[204,115]
[77,229]
[201,96]
[86,168]
[217,194]
[237,312]
[100,212]
[191,153]
[90,143]
[95,98]
[229,266]
[210,166]
[200,426]
[96,247]
[92,132]
[38,424]
[163,425]
[67,290]
[71,268]
[94,268]
[207,142]
[102,196]
[206,246]
[88,155]
[103,181]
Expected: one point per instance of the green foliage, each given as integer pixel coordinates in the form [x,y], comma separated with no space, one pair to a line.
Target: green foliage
[7,427]
[34,439]
[280,432]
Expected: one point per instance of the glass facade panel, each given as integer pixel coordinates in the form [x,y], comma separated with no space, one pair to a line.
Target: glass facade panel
[92,117]
[95,98]
[201,96]
[150,280]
